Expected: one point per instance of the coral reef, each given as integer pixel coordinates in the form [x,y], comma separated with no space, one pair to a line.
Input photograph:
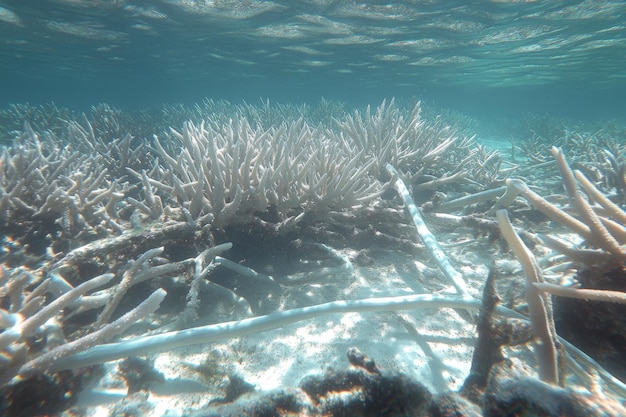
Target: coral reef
[595,149]
[113,225]
[85,196]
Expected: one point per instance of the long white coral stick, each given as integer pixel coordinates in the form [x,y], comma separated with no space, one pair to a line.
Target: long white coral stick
[206,334]
[427,237]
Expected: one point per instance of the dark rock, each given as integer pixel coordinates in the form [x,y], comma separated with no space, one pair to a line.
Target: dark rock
[451,404]
[282,403]
[511,396]
[358,392]
[360,360]
[285,402]
[139,374]
[237,386]
[42,394]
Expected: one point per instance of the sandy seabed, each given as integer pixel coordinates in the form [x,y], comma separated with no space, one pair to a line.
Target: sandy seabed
[432,346]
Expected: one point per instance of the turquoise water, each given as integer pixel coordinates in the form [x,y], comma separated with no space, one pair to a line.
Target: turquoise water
[484,58]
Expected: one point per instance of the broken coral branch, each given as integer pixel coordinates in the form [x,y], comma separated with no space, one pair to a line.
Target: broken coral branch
[540,307]
[585,294]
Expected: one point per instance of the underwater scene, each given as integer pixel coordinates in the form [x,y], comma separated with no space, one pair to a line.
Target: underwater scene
[411,208]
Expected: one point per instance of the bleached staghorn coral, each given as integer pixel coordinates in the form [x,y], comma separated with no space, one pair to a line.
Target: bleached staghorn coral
[595,149]
[390,136]
[44,178]
[115,152]
[45,117]
[219,112]
[428,153]
[235,171]
[109,123]
[282,169]
[232,174]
